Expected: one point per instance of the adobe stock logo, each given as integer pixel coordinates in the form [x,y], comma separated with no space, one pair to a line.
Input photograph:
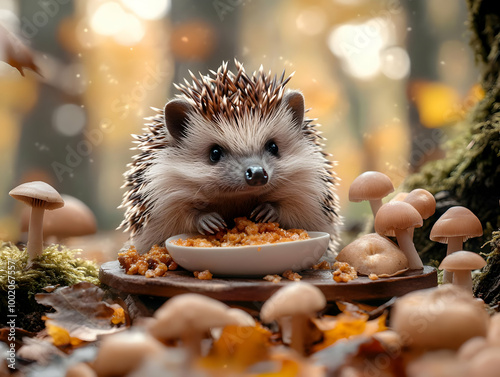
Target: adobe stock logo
[39,19]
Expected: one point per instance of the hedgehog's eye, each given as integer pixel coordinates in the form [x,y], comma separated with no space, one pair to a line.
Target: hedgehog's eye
[216,153]
[272,147]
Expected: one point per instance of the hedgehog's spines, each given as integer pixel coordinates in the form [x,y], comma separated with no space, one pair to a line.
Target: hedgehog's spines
[221,95]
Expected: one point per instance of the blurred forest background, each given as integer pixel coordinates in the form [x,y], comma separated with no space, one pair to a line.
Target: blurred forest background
[388,80]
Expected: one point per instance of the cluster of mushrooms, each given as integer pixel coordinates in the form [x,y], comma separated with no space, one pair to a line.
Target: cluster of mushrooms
[72,219]
[428,329]
[374,253]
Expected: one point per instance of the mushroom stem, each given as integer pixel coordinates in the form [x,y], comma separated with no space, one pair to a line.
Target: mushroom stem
[35,236]
[299,322]
[375,204]
[406,245]
[454,244]
[192,342]
[463,279]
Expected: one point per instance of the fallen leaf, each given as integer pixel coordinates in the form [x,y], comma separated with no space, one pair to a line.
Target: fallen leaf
[347,325]
[81,311]
[15,53]
[239,347]
[60,336]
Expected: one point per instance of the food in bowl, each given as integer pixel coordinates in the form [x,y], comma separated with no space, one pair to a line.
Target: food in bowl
[244,233]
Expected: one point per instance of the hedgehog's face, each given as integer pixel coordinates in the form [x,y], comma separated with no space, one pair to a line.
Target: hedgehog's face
[251,157]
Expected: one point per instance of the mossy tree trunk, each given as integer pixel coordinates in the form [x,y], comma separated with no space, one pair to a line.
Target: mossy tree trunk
[470,174]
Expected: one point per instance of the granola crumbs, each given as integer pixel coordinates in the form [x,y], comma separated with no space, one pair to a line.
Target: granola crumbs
[344,272]
[290,275]
[272,278]
[373,277]
[156,262]
[324,265]
[203,275]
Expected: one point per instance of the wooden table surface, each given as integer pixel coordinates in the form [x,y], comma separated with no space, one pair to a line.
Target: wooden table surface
[257,289]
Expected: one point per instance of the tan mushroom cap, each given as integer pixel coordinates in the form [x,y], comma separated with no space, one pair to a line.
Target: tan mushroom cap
[423,201]
[190,312]
[462,261]
[73,220]
[370,185]
[396,215]
[32,192]
[121,353]
[442,317]
[456,222]
[374,254]
[295,298]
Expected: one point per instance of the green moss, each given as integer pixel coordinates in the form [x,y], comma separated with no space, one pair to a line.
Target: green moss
[57,265]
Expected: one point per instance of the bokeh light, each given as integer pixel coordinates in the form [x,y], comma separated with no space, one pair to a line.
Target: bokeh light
[69,119]
[359,46]
[395,63]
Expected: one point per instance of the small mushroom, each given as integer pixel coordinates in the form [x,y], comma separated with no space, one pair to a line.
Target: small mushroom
[461,263]
[400,217]
[423,201]
[75,219]
[454,227]
[372,186]
[300,301]
[374,254]
[189,317]
[436,318]
[121,353]
[40,196]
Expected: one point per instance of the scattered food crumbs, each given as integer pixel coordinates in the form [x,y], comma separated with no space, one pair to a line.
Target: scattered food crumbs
[203,275]
[245,232]
[272,278]
[156,262]
[324,265]
[373,277]
[290,275]
[344,272]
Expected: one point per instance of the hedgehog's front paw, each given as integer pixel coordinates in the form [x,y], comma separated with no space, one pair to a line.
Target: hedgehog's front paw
[210,223]
[264,213]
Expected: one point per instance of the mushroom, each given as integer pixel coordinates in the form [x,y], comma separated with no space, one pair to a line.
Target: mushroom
[189,317]
[454,227]
[423,201]
[300,301]
[73,220]
[39,196]
[399,217]
[442,317]
[374,254]
[461,263]
[123,352]
[371,186]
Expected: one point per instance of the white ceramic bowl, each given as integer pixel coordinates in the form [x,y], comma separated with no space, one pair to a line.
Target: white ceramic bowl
[250,260]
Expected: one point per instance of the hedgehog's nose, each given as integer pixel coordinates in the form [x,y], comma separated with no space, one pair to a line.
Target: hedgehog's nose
[256,176]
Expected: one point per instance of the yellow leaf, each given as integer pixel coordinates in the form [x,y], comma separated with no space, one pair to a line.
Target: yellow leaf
[60,336]
[118,317]
[289,368]
[238,347]
[347,325]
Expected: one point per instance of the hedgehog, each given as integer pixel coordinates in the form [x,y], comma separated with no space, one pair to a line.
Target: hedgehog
[229,145]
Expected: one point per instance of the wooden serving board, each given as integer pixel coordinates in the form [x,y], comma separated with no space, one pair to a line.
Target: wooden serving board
[257,289]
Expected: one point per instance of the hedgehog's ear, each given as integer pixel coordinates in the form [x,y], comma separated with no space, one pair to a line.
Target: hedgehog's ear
[294,100]
[175,115]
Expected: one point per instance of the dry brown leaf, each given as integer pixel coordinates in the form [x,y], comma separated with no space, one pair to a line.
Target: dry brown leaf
[81,311]
[15,53]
